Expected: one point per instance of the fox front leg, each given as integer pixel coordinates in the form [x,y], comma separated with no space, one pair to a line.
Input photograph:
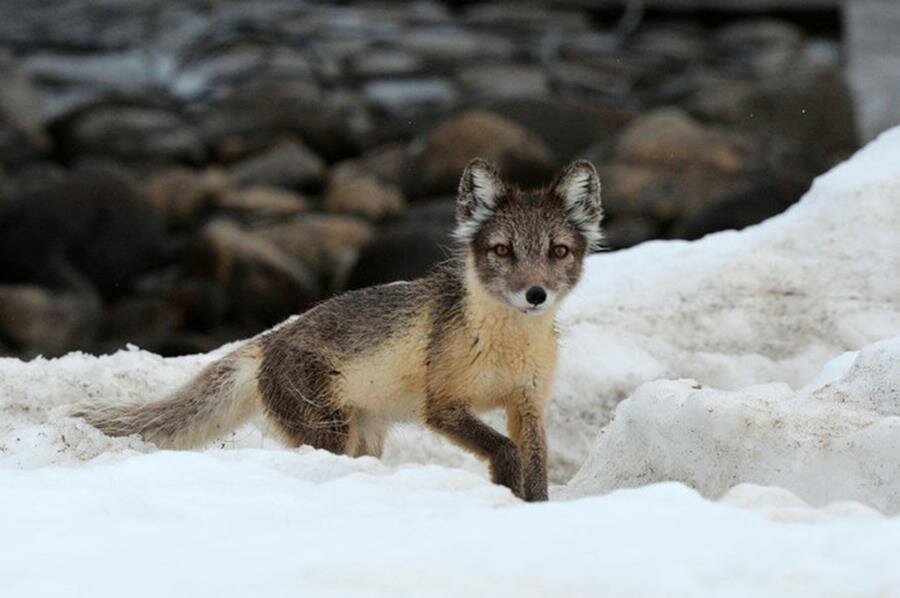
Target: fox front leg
[526,428]
[454,420]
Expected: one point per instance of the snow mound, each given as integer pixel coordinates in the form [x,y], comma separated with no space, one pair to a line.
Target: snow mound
[770,303]
[288,523]
[840,441]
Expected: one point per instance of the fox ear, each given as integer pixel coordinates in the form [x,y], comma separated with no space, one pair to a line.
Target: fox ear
[479,188]
[578,188]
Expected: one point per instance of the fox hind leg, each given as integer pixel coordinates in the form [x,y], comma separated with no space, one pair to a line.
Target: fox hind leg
[297,390]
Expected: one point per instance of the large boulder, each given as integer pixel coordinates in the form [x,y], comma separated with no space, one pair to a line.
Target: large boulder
[326,244]
[291,165]
[670,168]
[364,195]
[40,321]
[255,116]
[408,247]
[92,227]
[22,134]
[129,133]
[262,284]
[521,156]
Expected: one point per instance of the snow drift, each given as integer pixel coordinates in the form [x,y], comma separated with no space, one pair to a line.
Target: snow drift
[838,439]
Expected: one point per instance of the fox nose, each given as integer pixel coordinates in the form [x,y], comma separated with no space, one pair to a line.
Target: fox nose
[535,295]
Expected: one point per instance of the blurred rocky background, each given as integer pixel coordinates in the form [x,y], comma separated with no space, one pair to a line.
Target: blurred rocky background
[180,174]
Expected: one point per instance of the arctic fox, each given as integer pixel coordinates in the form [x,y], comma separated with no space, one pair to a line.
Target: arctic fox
[477,333]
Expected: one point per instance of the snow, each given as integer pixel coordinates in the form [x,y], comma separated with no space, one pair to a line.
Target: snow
[755,446]
[282,523]
[836,441]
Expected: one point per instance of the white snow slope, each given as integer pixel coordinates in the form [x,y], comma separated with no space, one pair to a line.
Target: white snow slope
[742,324]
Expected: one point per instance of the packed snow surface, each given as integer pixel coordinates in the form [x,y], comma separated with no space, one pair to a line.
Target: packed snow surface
[757,369]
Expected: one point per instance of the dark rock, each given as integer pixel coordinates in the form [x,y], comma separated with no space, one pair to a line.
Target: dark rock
[408,248]
[567,126]
[519,154]
[38,321]
[735,212]
[628,231]
[291,165]
[257,115]
[808,103]
[146,322]
[132,134]
[93,227]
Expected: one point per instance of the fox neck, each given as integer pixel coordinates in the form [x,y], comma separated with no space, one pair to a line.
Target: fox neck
[483,311]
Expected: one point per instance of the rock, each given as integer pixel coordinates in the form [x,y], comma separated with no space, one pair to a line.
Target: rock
[735,212]
[391,164]
[628,231]
[450,45]
[385,63]
[327,245]
[38,321]
[807,103]
[184,196]
[670,168]
[394,96]
[408,248]
[93,228]
[262,201]
[262,284]
[258,115]
[669,136]
[145,322]
[130,133]
[291,165]
[519,154]
[767,46]
[22,134]
[503,82]
[364,196]
[567,126]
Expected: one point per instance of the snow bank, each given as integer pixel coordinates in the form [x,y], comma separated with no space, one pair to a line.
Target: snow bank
[837,441]
[771,303]
[288,523]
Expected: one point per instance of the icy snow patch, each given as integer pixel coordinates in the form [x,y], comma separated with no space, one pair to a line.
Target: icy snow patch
[840,441]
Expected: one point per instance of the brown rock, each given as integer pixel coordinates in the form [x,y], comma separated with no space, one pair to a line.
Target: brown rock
[364,196]
[521,156]
[328,245]
[262,283]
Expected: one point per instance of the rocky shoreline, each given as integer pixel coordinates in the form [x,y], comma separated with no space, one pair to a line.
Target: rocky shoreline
[178,175]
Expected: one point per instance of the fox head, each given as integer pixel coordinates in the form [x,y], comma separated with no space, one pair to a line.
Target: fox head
[527,247]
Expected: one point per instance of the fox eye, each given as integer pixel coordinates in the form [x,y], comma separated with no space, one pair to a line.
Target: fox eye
[560,251]
[501,249]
